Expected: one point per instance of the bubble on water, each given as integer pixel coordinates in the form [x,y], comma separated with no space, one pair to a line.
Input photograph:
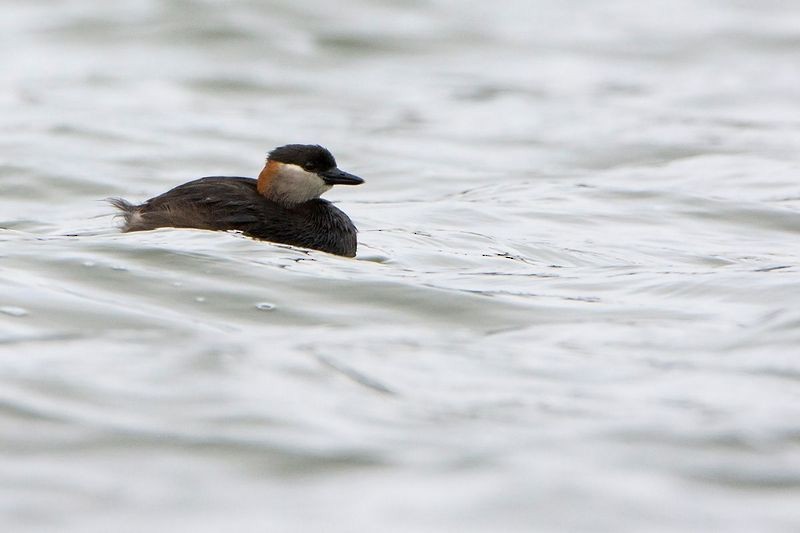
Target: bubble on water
[200,299]
[265,306]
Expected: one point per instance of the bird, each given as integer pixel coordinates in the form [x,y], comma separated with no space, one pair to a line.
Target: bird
[282,206]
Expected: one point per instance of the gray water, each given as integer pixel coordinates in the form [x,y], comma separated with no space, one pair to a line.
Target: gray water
[574,308]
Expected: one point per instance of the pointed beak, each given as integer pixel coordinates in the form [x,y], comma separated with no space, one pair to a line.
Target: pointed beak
[335,176]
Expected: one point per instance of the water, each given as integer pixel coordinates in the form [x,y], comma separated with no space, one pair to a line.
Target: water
[574,306]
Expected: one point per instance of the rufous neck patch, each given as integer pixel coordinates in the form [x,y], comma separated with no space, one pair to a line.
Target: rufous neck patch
[267,176]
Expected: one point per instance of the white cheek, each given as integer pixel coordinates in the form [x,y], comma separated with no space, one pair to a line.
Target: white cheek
[296,185]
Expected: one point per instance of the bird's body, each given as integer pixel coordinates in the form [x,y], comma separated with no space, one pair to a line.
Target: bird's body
[282,206]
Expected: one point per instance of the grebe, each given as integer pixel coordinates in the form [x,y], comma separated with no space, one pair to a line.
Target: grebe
[283,205]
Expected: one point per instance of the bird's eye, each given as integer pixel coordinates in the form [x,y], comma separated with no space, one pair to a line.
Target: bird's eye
[309,165]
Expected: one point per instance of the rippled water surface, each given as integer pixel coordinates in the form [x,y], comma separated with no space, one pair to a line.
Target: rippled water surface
[574,308]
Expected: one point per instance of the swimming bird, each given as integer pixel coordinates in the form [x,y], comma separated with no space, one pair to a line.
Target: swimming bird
[283,205]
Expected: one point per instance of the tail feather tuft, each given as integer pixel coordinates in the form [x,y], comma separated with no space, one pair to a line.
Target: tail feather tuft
[127,211]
